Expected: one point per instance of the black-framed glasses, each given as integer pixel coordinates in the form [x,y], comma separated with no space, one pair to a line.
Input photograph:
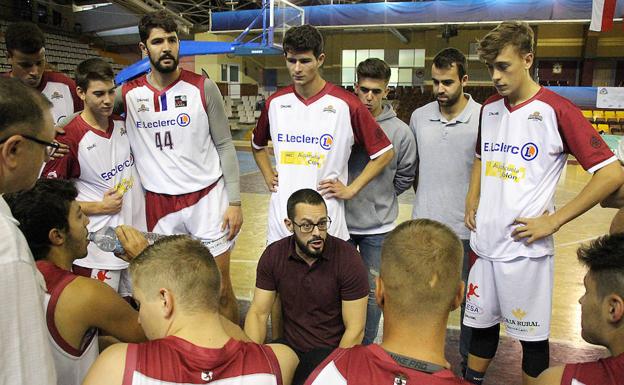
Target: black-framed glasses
[322,225]
[51,147]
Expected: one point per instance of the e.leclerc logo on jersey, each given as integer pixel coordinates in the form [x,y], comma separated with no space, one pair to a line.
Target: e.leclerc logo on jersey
[325,140]
[528,151]
[182,120]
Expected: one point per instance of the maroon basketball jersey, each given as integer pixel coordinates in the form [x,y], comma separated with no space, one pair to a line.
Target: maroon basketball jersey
[371,365]
[172,360]
[606,371]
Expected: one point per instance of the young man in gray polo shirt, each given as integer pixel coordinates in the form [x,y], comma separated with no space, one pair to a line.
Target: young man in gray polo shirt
[446,133]
[371,214]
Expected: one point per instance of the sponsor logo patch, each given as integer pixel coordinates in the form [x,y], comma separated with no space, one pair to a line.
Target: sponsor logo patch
[180,101]
[329,108]
[143,108]
[56,95]
[536,116]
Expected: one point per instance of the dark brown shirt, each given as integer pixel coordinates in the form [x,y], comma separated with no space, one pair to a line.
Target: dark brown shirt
[312,295]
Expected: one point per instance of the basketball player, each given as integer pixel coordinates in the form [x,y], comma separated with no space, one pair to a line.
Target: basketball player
[525,135]
[103,168]
[176,283]
[415,312]
[183,150]
[56,231]
[602,316]
[380,196]
[313,125]
[25,46]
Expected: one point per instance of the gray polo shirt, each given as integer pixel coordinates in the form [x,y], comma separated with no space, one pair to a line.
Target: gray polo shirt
[445,155]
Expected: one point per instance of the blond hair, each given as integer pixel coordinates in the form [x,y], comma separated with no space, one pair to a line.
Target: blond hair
[184,266]
[420,267]
[516,33]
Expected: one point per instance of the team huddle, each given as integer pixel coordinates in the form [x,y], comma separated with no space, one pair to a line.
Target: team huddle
[156,155]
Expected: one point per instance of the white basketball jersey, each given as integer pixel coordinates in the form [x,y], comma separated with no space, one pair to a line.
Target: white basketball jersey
[523,150]
[312,141]
[99,161]
[170,135]
[61,91]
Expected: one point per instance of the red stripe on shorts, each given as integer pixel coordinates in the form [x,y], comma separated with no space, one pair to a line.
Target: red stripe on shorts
[159,205]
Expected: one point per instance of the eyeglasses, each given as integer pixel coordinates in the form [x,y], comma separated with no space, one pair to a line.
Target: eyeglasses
[376,91]
[322,225]
[51,147]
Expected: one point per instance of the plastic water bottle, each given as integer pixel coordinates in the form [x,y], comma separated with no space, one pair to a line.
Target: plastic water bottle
[106,239]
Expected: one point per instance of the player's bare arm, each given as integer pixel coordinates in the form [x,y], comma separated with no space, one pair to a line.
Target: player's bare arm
[258,315]
[333,188]
[288,361]
[109,367]
[233,330]
[103,308]
[472,198]
[604,182]
[110,204]
[615,200]
[551,376]
[261,156]
[354,318]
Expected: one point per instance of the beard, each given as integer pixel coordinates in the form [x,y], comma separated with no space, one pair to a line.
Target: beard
[164,69]
[303,246]
[451,99]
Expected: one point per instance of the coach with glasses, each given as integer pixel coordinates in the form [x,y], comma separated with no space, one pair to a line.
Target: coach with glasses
[26,135]
[322,283]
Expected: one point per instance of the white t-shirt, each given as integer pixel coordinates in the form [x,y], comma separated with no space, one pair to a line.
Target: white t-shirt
[523,150]
[97,162]
[312,141]
[25,356]
[170,135]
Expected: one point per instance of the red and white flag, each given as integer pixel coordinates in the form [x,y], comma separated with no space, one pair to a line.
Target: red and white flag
[602,15]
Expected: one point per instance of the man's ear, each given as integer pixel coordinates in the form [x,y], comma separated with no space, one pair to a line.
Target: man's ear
[56,237]
[82,94]
[143,48]
[289,225]
[167,301]
[615,308]
[528,60]
[459,296]
[321,59]
[379,292]
[10,150]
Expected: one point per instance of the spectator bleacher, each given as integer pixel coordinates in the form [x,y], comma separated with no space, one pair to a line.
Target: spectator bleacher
[63,52]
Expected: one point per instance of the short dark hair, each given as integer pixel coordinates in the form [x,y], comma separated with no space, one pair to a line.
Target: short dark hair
[449,56]
[374,68]
[25,37]
[158,19]
[41,209]
[20,106]
[305,195]
[182,264]
[303,38]
[93,69]
[517,33]
[605,259]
